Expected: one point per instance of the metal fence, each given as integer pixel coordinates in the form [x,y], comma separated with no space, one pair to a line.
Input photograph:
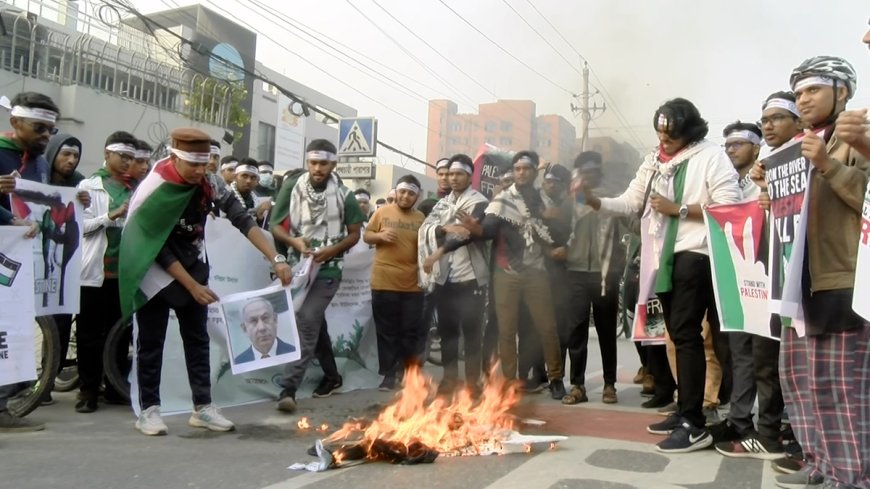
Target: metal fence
[53,41]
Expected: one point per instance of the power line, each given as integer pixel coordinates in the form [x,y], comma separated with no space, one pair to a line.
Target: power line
[536,31]
[208,53]
[499,46]
[410,54]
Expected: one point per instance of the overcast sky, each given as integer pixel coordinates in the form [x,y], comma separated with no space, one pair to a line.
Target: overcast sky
[724,56]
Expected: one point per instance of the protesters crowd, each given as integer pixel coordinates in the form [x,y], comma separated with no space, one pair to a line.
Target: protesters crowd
[516,278]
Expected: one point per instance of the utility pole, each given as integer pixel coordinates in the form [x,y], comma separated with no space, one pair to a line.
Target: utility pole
[586,112]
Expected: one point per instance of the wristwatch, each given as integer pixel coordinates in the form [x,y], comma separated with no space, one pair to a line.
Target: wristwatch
[279,259]
[684,211]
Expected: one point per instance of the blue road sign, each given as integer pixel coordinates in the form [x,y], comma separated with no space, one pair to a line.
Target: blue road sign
[357,136]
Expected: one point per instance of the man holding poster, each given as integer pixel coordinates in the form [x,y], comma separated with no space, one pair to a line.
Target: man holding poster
[838,340]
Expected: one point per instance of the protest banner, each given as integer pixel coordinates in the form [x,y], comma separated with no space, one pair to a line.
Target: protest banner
[860,304]
[489,166]
[740,280]
[57,255]
[787,174]
[649,318]
[17,338]
[236,266]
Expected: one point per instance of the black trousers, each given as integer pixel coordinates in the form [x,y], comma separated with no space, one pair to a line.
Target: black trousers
[399,328]
[64,331]
[489,350]
[685,307]
[100,309]
[153,319]
[587,300]
[430,302]
[325,355]
[461,306]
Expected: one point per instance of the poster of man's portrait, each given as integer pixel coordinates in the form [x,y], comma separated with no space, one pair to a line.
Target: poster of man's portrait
[261,329]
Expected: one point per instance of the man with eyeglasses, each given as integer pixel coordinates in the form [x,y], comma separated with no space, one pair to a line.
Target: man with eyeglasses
[32,122]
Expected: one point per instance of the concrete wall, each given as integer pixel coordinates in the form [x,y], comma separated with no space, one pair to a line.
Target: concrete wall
[385,180]
[91,116]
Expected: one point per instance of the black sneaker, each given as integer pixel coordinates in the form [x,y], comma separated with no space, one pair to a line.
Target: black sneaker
[752,446]
[685,438]
[534,386]
[724,431]
[788,464]
[388,384]
[657,402]
[47,400]
[327,386]
[287,401]
[557,389]
[667,426]
[86,405]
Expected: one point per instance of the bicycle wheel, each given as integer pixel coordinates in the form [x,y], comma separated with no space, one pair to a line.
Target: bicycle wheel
[118,357]
[47,347]
[68,377]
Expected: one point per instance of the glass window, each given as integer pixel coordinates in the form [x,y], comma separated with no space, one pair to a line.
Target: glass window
[265,141]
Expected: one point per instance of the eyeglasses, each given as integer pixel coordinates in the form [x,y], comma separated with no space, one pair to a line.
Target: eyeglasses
[735,144]
[40,128]
[775,119]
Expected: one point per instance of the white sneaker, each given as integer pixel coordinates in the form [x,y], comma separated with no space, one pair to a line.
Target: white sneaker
[150,423]
[210,417]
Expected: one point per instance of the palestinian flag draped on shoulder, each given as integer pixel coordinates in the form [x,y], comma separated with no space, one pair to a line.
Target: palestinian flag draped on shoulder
[154,210]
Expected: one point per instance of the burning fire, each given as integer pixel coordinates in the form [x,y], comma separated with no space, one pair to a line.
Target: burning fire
[418,420]
[303,424]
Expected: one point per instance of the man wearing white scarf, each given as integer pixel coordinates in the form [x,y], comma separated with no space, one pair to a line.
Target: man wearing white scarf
[316,216]
[685,173]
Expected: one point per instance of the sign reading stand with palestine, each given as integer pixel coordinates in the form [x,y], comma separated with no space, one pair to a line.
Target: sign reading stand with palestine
[860,304]
[357,136]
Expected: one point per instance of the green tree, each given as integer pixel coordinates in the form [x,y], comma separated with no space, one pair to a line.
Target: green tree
[206,103]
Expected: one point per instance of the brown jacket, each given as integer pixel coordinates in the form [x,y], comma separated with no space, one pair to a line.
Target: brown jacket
[834,223]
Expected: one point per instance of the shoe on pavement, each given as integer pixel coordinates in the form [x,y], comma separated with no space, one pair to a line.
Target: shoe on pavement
[648,386]
[788,464]
[14,424]
[667,426]
[668,410]
[47,400]
[799,480]
[609,394]
[685,438]
[150,423]
[210,418]
[287,402]
[557,389]
[712,415]
[86,404]
[534,386]
[641,373]
[576,396]
[327,386]
[724,431]
[388,384]
[657,402]
[752,446]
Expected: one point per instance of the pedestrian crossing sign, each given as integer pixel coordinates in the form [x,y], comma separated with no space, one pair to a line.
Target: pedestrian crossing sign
[357,136]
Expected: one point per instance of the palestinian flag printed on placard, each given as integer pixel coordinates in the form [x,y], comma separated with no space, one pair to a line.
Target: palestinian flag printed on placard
[8,270]
[154,211]
[740,277]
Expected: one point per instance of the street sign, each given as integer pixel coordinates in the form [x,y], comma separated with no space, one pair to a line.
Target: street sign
[351,170]
[357,136]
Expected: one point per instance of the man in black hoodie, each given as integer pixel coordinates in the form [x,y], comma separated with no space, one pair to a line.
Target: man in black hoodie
[64,153]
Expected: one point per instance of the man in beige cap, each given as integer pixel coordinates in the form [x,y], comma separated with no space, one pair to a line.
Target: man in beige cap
[162,269]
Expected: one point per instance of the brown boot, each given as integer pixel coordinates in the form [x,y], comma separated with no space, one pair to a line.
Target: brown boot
[609,394]
[641,373]
[649,385]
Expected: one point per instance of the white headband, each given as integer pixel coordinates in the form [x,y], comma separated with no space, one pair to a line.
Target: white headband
[320,156]
[122,148]
[458,165]
[745,135]
[34,113]
[215,150]
[781,103]
[229,165]
[363,197]
[67,147]
[201,158]
[247,169]
[813,80]
[525,160]
[142,154]
[409,187]
[442,163]
[266,169]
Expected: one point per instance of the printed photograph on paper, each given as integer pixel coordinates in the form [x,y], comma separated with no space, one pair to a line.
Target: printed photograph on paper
[261,329]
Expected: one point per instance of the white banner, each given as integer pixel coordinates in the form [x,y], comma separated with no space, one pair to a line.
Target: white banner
[57,252]
[862,273]
[17,341]
[236,266]
[289,136]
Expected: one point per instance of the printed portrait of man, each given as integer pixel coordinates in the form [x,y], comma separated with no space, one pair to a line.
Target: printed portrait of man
[260,325]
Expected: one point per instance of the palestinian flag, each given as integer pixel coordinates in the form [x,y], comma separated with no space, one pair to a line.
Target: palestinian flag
[740,280]
[8,270]
[154,210]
